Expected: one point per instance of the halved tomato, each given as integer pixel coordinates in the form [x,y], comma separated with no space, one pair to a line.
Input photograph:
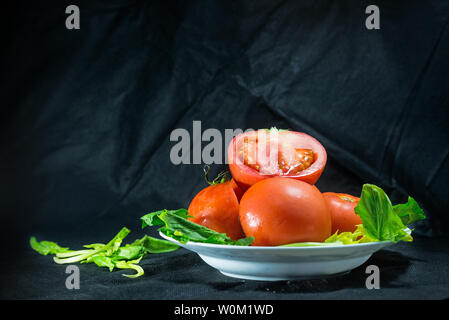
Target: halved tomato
[257,155]
[341,207]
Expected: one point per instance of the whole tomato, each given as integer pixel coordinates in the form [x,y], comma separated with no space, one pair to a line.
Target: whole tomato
[257,155]
[279,210]
[217,207]
[341,207]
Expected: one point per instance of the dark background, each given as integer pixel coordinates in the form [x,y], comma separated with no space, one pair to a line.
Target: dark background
[86,116]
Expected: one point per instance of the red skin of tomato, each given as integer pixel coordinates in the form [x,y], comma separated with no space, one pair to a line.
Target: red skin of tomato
[217,207]
[341,207]
[237,190]
[281,210]
[246,176]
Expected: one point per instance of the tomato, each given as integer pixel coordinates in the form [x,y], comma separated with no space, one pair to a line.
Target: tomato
[217,207]
[281,210]
[257,155]
[341,206]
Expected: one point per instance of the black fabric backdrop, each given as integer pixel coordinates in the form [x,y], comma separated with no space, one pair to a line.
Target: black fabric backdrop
[86,117]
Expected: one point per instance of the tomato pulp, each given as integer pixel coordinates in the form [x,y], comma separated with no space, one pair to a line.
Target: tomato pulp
[281,210]
[217,207]
[341,207]
[257,155]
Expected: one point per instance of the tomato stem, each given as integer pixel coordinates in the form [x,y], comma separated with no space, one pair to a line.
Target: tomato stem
[221,177]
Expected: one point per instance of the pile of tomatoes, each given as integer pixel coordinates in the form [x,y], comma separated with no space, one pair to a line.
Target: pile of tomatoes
[271,195]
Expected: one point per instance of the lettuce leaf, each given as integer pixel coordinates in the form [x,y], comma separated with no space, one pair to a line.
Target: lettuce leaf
[358,236]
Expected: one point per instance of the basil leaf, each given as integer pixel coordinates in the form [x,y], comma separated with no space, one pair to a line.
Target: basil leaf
[409,212]
[379,220]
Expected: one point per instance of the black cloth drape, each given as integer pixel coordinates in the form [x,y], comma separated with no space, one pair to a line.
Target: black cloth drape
[86,117]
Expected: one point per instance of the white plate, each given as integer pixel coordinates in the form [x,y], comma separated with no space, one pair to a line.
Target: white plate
[282,263]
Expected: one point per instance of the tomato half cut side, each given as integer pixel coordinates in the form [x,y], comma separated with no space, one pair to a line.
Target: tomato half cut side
[257,155]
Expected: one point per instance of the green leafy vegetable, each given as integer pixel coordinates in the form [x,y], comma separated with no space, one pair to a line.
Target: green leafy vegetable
[111,255]
[111,263]
[379,220]
[358,236]
[174,224]
[409,212]
[80,255]
[103,261]
[153,245]
[132,264]
[46,247]
[129,252]
[152,218]
[311,244]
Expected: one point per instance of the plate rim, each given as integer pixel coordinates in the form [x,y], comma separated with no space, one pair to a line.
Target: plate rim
[269,248]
